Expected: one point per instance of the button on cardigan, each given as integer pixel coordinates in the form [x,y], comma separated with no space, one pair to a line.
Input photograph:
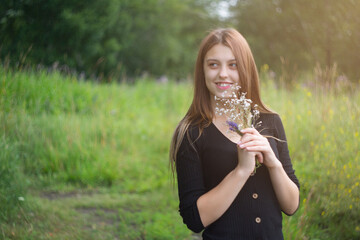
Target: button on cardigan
[203,162]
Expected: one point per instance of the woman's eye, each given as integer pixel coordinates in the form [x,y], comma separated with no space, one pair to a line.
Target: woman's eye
[213,65]
[233,65]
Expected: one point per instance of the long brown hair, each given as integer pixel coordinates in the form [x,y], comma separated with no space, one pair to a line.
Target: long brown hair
[201,112]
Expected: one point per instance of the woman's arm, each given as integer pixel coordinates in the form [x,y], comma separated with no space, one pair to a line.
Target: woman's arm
[214,203]
[199,208]
[286,190]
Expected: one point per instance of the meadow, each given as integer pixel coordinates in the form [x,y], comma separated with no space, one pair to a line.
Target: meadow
[83,160]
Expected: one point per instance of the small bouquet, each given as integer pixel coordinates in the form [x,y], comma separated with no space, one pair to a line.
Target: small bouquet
[239,112]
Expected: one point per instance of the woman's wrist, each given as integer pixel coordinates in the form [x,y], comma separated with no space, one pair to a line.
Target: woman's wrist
[242,172]
[276,164]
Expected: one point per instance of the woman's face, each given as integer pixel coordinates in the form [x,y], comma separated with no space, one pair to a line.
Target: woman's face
[220,71]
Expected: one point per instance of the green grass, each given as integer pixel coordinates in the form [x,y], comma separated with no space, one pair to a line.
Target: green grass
[91,161]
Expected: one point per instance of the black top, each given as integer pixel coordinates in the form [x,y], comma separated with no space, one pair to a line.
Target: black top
[255,212]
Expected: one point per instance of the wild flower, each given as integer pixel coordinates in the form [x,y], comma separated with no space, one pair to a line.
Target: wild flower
[239,111]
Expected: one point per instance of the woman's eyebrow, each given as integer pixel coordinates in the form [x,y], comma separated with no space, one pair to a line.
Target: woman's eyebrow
[214,59]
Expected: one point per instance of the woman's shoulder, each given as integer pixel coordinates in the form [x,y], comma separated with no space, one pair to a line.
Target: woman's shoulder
[273,122]
[199,128]
[193,131]
[198,134]
[270,119]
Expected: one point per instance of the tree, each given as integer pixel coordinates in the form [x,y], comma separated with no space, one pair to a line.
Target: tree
[106,37]
[304,32]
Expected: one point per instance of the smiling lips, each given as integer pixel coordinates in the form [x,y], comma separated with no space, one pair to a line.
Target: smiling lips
[223,85]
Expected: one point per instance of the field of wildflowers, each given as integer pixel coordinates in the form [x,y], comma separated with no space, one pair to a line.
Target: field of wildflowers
[323,136]
[60,134]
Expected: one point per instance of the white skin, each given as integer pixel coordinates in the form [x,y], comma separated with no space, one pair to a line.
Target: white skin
[220,73]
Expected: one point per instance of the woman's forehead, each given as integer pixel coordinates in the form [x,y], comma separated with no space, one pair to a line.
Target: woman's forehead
[219,52]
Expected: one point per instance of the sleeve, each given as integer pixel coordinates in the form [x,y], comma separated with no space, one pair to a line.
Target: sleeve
[190,184]
[283,150]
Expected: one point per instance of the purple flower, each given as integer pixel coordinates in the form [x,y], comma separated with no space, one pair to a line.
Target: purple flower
[234,127]
[232,124]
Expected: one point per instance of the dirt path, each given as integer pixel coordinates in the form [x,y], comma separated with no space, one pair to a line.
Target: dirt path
[87,210]
[94,214]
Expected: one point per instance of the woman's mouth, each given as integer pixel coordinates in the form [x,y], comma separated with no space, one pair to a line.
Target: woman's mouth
[223,85]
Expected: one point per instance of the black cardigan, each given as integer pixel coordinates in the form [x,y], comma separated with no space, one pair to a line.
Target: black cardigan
[255,213]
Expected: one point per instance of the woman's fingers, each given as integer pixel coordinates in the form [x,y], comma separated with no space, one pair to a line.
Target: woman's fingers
[250,130]
[255,143]
[250,139]
[251,143]
[250,134]
[256,148]
[259,157]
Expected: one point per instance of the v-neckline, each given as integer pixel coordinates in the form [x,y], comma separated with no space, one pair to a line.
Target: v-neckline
[223,135]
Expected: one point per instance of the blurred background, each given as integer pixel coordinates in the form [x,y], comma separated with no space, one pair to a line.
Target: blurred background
[91,92]
[117,38]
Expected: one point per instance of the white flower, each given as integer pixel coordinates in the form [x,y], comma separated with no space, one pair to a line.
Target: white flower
[21,199]
[237,109]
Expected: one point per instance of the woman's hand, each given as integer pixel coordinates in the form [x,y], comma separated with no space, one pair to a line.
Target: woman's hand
[253,141]
[246,160]
[286,191]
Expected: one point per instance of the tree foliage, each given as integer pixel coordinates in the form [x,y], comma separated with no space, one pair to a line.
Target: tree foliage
[115,38]
[108,37]
[303,32]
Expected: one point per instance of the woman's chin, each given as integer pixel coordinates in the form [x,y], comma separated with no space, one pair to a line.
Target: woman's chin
[224,95]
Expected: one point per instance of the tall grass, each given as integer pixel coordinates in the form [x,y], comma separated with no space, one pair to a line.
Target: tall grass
[58,130]
[12,183]
[323,136]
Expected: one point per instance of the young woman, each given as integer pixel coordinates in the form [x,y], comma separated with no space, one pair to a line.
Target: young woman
[218,191]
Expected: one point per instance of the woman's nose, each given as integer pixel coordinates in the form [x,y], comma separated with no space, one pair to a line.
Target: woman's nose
[223,72]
